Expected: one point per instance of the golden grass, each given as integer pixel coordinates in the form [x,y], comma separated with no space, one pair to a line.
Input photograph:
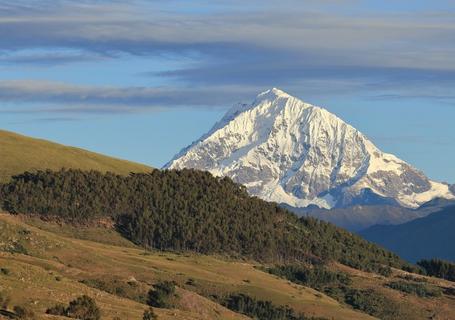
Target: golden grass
[412,306]
[51,254]
[20,153]
[54,251]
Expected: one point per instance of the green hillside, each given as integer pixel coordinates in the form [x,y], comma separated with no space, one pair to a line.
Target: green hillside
[189,210]
[193,246]
[20,153]
[44,263]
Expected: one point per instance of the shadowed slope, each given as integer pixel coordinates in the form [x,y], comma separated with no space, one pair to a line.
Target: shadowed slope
[429,237]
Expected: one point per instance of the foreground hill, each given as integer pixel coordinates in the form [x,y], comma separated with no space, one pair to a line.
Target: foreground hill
[54,266]
[288,151]
[233,256]
[429,237]
[45,263]
[20,153]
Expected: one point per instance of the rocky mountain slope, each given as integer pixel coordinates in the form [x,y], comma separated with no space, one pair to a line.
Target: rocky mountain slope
[288,151]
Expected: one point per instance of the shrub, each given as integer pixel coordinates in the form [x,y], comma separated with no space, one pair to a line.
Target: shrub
[5,271]
[317,277]
[57,310]
[258,309]
[385,271]
[24,312]
[18,248]
[149,315]
[418,289]
[129,290]
[373,303]
[4,300]
[83,308]
[162,294]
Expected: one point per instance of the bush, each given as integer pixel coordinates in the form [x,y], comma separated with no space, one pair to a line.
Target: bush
[17,248]
[57,310]
[128,290]
[162,295]
[83,308]
[385,271]
[418,289]
[317,277]
[258,309]
[373,303]
[149,315]
[24,312]
[4,300]
[5,271]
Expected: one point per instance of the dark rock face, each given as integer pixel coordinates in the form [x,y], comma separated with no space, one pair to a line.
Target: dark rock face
[452,188]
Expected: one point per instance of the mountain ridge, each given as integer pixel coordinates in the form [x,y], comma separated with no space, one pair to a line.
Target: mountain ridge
[288,151]
[423,238]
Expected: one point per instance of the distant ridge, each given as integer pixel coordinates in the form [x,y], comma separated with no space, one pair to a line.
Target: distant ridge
[423,238]
[20,153]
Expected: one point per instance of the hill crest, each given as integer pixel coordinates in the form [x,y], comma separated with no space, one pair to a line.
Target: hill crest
[20,153]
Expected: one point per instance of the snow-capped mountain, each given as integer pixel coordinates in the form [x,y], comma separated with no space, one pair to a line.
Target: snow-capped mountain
[288,151]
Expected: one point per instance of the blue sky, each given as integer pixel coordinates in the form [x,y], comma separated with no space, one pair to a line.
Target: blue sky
[142,79]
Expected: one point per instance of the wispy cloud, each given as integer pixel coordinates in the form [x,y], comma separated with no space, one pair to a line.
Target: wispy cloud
[407,41]
[57,97]
[46,59]
[316,44]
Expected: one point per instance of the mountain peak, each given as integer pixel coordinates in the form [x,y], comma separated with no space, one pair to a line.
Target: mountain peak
[272,94]
[285,150]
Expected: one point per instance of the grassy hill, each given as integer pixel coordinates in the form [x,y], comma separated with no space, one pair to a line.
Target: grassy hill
[227,253]
[49,263]
[20,153]
[55,267]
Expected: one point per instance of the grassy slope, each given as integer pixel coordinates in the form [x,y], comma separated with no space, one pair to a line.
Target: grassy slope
[412,307]
[20,153]
[51,255]
[55,250]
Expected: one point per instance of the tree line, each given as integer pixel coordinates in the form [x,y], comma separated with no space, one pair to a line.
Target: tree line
[438,268]
[189,210]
